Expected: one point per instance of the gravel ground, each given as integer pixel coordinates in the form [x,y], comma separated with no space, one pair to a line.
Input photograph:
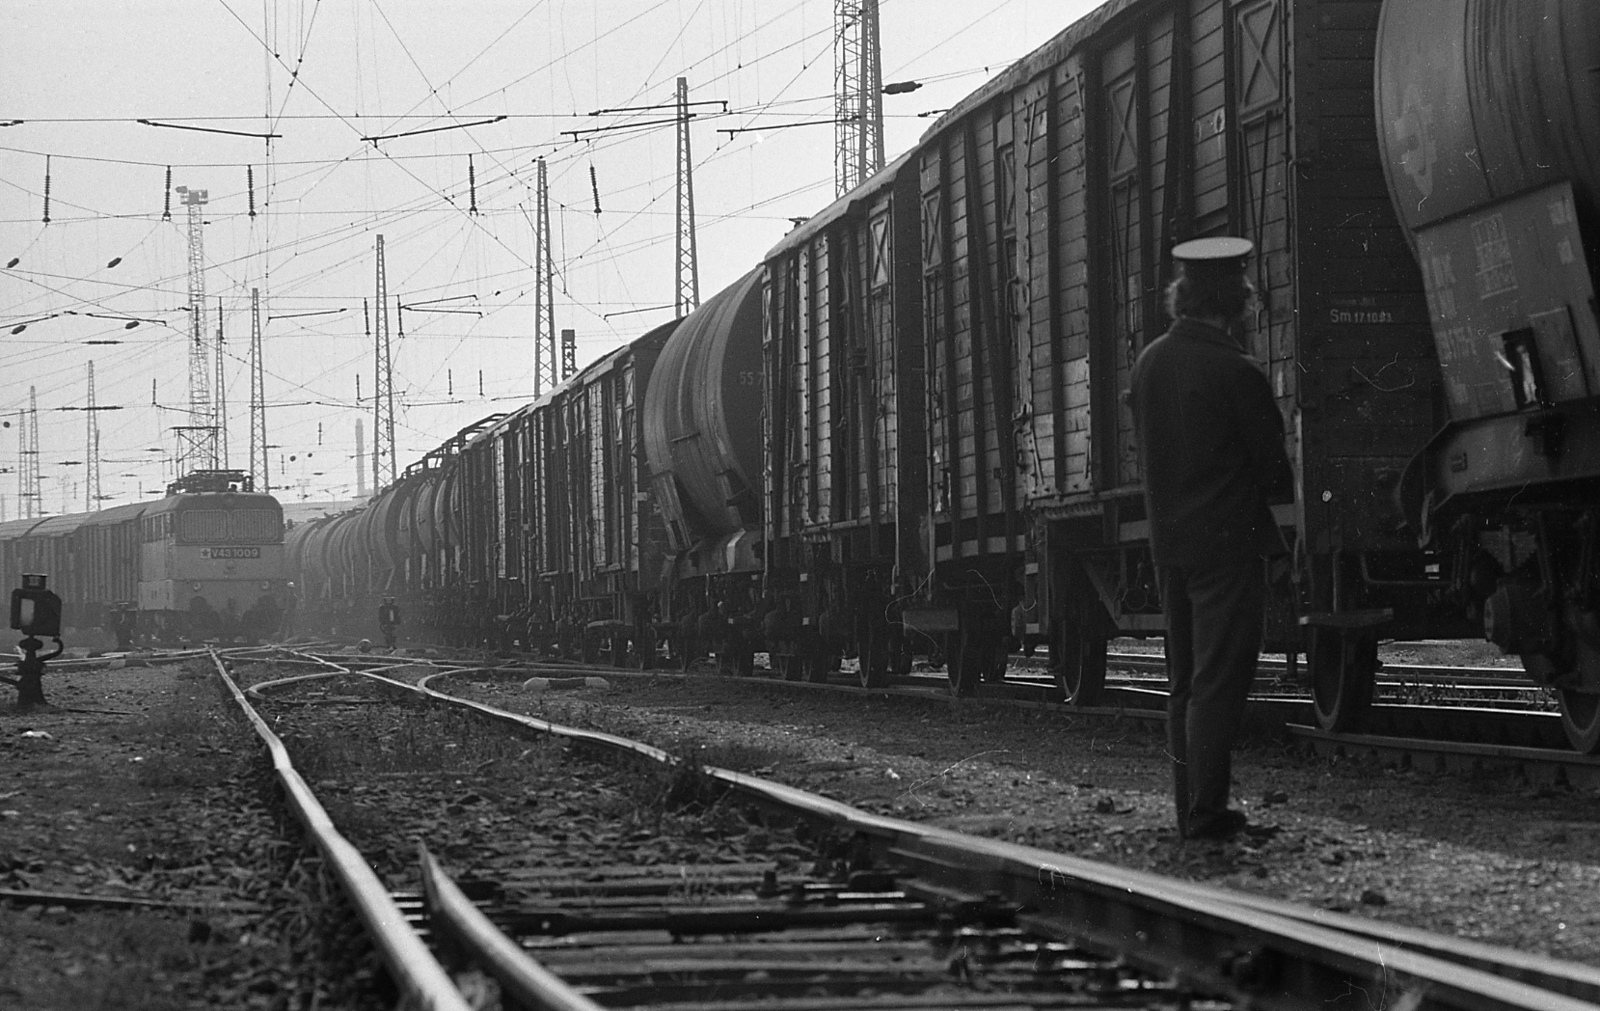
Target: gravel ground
[138,783]
[1481,857]
[146,788]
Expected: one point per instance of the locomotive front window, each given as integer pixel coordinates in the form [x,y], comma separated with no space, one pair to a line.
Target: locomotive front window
[256,526]
[230,526]
[202,526]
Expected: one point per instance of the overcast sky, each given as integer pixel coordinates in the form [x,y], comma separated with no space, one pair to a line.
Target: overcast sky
[321,75]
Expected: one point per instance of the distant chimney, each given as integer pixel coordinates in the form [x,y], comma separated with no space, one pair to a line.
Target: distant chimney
[361,462]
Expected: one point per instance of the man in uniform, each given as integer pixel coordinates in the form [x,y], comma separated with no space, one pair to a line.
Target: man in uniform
[1211,438]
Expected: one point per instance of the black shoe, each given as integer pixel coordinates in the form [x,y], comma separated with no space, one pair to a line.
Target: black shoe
[1223,825]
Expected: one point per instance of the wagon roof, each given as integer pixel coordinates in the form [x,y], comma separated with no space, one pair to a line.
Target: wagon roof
[839,208]
[1032,65]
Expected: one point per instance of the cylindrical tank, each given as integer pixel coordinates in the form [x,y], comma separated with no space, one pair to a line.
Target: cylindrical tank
[702,413]
[328,550]
[387,513]
[422,524]
[1480,99]
[446,502]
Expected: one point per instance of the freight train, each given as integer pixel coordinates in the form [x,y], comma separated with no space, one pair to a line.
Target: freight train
[204,562]
[905,430]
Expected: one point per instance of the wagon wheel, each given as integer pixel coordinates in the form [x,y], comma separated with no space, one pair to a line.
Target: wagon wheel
[1342,664]
[963,662]
[997,656]
[823,661]
[790,664]
[1580,719]
[877,656]
[1081,677]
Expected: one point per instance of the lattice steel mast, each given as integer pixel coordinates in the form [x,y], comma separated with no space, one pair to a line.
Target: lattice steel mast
[260,479]
[91,454]
[688,259]
[219,400]
[28,502]
[857,94]
[545,353]
[197,442]
[30,457]
[383,452]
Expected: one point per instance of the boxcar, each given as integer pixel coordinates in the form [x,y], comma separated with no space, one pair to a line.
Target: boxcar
[845,426]
[557,528]
[1045,208]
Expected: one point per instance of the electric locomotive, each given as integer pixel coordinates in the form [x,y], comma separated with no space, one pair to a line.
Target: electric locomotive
[204,562]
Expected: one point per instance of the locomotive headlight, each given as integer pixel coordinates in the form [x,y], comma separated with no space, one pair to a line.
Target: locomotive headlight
[195,587]
[265,585]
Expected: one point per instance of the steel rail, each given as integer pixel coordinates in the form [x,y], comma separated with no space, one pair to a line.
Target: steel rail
[1574,979]
[528,982]
[1204,932]
[412,966]
[1431,966]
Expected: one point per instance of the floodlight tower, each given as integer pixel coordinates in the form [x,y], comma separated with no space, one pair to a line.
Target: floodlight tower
[688,260]
[545,375]
[197,442]
[857,94]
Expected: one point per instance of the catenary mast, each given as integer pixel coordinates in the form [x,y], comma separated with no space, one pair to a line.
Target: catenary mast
[857,94]
[544,310]
[383,453]
[688,258]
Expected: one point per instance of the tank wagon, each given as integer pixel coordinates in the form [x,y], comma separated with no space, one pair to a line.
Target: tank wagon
[924,442]
[1489,127]
[205,562]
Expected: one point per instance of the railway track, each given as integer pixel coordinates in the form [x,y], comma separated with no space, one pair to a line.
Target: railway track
[890,914]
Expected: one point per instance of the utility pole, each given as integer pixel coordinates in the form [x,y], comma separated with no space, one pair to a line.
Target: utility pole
[32,503]
[383,454]
[197,442]
[91,455]
[361,463]
[688,260]
[857,94]
[544,309]
[221,398]
[260,480]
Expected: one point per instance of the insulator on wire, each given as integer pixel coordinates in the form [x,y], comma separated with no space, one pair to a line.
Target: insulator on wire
[250,186]
[594,187]
[366,317]
[166,207]
[47,189]
[400,319]
[472,186]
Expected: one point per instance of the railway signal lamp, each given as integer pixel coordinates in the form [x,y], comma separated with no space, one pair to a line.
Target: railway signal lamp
[35,610]
[36,613]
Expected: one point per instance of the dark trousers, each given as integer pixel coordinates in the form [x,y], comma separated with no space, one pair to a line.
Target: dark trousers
[1213,641]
